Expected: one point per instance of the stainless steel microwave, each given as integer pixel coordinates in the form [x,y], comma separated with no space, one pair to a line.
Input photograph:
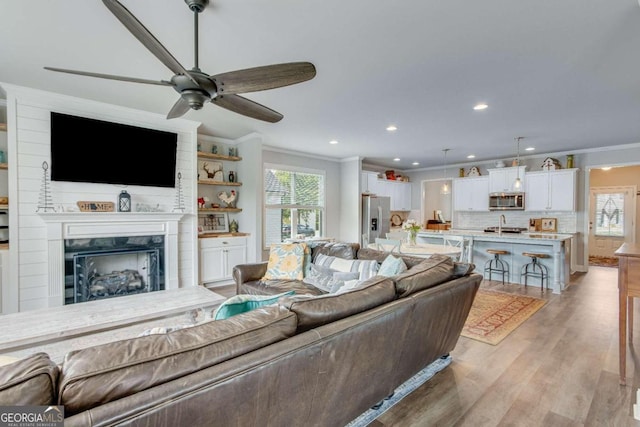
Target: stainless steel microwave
[506,201]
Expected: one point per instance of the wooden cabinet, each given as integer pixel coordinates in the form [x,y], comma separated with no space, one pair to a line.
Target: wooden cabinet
[218,256]
[471,194]
[551,190]
[501,180]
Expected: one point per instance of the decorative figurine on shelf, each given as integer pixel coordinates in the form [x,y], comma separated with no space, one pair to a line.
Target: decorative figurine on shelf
[232,176]
[216,173]
[233,226]
[202,202]
[124,201]
[232,151]
[474,171]
[228,199]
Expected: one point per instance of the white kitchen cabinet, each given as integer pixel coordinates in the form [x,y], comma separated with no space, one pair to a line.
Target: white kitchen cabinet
[551,190]
[398,191]
[370,182]
[219,255]
[400,196]
[471,194]
[501,180]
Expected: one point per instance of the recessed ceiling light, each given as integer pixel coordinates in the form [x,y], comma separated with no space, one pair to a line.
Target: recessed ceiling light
[471,156]
[333,142]
[392,128]
[529,148]
[481,106]
[415,163]
[607,168]
[397,159]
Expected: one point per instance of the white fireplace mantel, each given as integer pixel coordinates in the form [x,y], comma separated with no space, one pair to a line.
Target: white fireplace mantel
[79,225]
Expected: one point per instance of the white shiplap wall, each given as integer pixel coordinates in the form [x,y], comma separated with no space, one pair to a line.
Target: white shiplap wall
[28,114]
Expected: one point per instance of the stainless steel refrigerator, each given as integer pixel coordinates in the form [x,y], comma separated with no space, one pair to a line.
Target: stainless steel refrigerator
[376,218]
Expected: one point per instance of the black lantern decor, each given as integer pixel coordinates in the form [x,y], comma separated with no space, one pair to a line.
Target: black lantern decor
[124,202]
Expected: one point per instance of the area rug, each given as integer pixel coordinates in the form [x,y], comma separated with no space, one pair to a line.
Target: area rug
[494,315]
[603,261]
[407,387]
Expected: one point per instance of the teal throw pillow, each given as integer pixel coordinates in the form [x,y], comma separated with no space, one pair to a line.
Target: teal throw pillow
[392,266]
[243,303]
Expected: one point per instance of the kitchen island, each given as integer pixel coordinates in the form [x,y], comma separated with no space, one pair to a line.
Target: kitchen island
[556,245]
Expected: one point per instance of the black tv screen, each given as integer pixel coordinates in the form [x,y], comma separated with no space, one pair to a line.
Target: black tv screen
[96,151]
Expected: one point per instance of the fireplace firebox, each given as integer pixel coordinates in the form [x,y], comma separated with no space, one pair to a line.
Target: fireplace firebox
[99,268]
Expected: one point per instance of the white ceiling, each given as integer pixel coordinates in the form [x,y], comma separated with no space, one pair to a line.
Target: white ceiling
[564,74]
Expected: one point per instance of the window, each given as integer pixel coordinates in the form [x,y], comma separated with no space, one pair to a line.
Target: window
[609,220]
[294,203]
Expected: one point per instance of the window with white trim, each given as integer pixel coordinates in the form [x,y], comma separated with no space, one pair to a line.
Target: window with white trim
[294,203]
[609,220]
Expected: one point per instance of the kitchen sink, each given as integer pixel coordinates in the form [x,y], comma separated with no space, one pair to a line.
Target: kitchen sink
[505,229]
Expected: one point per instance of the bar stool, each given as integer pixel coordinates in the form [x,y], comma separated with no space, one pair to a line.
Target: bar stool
[496,265]
[535,269]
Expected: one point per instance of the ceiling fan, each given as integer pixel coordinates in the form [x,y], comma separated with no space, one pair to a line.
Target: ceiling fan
[196,87]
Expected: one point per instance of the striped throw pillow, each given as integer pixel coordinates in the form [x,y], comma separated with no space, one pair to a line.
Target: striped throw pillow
[365,268]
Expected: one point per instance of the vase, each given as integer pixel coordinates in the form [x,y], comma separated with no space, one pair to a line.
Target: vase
[411,237]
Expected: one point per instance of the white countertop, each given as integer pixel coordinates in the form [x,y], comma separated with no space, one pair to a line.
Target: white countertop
[525,237]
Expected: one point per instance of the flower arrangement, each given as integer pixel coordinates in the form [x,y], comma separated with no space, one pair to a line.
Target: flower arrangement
[412,228]
[411,225]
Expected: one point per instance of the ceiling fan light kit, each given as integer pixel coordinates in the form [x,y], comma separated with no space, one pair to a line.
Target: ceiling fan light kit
[196,87]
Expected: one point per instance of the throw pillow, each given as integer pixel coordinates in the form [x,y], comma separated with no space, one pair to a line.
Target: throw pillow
[285,262]
[327,279]
[392,266]
[365,268]
[340,279]
[320,277]
[243,303]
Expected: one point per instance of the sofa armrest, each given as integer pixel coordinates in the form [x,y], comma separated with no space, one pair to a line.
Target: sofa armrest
[244,273]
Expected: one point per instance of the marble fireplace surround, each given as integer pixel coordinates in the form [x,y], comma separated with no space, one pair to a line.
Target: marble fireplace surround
[83,225]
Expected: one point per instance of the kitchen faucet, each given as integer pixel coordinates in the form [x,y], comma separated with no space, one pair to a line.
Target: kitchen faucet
[501,220]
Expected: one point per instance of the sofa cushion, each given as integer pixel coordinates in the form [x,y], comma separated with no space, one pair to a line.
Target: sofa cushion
[286,261]
[380,256]
[104,373]
[391,266]
[314,311]
[29,381]
[238,304]
[366,268]
[430,272]
[337,249]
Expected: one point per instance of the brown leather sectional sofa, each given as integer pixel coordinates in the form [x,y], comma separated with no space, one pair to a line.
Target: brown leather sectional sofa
[308,361]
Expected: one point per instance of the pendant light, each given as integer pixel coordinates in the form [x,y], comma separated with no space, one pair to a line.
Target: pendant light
[517,184]
[445,189]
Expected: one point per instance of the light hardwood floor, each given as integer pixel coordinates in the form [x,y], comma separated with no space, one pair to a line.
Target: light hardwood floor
[560,368]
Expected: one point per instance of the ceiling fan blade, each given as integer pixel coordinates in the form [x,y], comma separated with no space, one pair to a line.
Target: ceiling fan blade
[146,38]
[179,109]
[246,107]
[111,77]
[265,77]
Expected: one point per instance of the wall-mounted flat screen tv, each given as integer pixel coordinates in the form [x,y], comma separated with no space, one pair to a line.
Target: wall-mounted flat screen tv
[96,151]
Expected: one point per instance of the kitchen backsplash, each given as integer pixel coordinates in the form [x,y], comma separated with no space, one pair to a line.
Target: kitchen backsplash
[567,221]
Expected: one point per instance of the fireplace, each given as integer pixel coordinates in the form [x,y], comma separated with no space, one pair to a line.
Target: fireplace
[111,267]
[130,252]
